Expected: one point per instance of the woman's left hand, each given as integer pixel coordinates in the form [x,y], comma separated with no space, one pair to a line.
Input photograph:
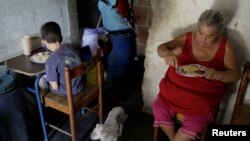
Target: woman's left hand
[210,73]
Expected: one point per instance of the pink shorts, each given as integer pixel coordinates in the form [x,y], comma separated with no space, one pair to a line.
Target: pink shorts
[191,125]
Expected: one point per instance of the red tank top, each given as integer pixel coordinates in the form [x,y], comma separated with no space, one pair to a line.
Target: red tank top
[193,95]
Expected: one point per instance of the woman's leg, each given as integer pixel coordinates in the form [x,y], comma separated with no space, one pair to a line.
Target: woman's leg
[164,118]
[169,131]
[193,126]
[180,136]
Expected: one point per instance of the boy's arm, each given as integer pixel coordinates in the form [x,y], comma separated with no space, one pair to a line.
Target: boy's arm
[51,73]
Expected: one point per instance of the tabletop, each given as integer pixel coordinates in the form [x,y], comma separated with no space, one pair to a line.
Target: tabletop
[22,64]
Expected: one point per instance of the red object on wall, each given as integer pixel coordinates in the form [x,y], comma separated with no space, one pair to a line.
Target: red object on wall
[126,11]
[123,8]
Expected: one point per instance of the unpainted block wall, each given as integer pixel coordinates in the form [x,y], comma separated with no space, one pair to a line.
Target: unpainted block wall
[144,14]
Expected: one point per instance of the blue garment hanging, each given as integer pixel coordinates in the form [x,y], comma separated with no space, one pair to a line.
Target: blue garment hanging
[111,19]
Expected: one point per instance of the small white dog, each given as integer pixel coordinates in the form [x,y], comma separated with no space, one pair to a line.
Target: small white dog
[112,127]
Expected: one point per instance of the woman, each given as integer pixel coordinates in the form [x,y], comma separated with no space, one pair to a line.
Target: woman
[196,98]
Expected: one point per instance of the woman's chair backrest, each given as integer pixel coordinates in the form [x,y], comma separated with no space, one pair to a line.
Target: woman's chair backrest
[241,110]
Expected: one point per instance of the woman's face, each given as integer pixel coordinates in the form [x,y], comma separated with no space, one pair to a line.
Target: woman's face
[206,35]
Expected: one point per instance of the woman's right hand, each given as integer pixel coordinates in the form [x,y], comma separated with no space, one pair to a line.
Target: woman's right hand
[171,59]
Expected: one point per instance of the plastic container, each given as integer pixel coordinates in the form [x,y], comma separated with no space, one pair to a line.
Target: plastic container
[92,76]
[14,114]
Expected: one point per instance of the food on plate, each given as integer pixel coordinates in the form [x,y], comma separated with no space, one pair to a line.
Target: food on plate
[40,57]
[191,70]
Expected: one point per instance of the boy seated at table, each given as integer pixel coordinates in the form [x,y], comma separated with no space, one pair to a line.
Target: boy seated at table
[62,54]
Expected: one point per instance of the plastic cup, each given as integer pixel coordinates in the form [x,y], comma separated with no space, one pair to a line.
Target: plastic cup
[26,44]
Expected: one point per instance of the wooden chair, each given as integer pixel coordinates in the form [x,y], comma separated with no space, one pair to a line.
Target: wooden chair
[179,119]
[241,110]
[72,104]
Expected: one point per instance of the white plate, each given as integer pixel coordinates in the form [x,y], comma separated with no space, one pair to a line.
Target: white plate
[40,57]
[191,70]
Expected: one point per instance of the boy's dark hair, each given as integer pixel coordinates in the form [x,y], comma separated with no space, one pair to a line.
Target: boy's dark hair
[51,32]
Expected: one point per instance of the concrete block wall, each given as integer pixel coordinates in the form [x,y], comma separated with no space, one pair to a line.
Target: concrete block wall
[144,14]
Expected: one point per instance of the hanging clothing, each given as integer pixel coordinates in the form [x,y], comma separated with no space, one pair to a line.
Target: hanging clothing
[111,19]
[123,8]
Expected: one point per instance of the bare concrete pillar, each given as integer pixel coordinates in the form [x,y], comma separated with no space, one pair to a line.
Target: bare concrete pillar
[73,22]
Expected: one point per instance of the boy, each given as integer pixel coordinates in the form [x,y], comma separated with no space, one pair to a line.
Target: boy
[62,55]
